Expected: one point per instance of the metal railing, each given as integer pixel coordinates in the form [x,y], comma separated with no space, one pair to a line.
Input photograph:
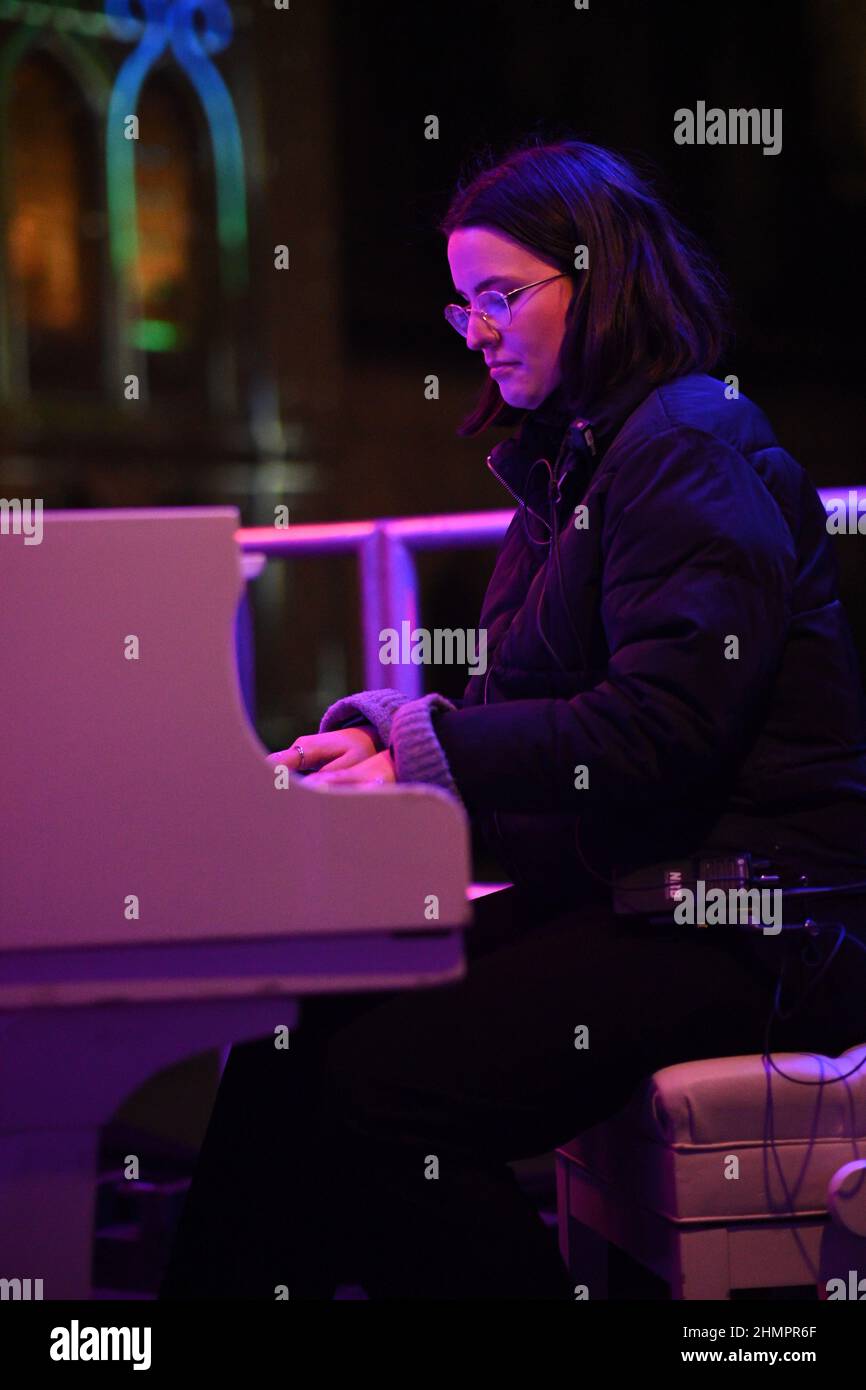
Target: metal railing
[386,550]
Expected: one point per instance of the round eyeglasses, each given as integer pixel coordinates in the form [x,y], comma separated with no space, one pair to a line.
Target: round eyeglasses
[492,305]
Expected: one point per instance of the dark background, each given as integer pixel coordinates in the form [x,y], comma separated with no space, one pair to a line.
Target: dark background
[787,230]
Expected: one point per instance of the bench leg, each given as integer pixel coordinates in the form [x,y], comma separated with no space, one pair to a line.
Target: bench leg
[588,1260]
[700,1267]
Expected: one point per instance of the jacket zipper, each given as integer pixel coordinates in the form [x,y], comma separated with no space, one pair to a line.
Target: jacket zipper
[499,478]
[546,524]
[554,494]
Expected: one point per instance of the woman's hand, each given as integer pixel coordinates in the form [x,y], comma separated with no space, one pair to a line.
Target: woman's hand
[341,748]
[376,769]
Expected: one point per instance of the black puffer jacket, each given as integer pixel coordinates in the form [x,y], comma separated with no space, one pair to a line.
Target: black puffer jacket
[676,673]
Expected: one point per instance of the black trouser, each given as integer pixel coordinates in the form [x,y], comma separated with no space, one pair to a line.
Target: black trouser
[375,1148]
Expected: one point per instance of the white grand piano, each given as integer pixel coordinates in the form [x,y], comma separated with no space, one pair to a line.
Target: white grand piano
[159,894]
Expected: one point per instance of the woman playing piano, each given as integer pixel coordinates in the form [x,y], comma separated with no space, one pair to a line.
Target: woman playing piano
[670,679]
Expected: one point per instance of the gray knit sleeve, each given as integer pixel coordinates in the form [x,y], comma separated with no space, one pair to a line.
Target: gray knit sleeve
[416,751]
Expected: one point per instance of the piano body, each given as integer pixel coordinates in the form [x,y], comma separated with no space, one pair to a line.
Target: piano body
[160,895]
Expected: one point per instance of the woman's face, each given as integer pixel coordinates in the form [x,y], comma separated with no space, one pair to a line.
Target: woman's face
[482,259]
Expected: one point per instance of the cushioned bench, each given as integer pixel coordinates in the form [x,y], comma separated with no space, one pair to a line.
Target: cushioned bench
[702,1183]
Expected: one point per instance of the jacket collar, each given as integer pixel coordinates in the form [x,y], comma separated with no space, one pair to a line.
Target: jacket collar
[566,440]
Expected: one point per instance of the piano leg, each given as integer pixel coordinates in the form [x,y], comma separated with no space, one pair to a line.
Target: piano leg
[73,1068]
[47,1200]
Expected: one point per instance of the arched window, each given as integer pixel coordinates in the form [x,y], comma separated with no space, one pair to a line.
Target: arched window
[54,227]
[123,243]
[177,265]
